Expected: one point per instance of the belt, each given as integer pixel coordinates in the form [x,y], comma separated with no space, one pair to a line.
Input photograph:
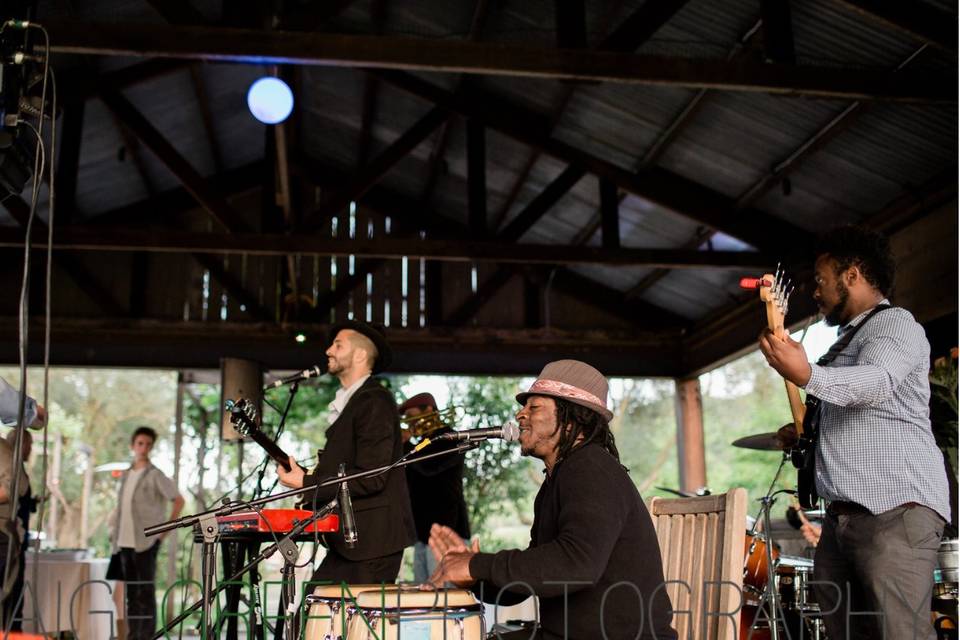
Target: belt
[844,508]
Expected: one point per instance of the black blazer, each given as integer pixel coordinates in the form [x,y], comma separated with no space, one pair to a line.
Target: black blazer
[366,435]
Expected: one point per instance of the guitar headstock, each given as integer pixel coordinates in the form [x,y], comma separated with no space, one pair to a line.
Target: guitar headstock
[775,292]
[243,416]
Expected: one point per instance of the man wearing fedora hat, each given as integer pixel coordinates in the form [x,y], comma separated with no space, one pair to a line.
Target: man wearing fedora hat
[593,558]
[364,434]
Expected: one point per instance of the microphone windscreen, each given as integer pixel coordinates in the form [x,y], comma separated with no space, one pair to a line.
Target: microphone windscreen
[511,432]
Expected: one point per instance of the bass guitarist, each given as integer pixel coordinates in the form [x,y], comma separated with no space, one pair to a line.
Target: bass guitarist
[877,464]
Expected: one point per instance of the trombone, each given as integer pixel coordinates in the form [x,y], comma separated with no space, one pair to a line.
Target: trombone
[427,423]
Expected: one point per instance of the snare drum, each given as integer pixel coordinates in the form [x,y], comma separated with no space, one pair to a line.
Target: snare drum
[405,613]
[755,569]
[796,592]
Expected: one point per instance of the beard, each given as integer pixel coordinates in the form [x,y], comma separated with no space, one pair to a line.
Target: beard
[834,315]
[334,366]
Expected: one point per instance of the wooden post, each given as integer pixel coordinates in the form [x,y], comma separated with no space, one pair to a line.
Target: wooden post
[689,408]
[173,544]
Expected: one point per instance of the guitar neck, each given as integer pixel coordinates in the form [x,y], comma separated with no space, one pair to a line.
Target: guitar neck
[797,408]
[775,323]
[275,452]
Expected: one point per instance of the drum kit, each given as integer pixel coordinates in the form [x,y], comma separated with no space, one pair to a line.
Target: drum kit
[783,604]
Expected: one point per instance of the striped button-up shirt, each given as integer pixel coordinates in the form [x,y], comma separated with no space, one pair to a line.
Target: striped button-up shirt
[876,447]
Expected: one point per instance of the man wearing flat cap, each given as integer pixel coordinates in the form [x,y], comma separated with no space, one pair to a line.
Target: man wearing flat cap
[364,434]
[593,558]
[436,484]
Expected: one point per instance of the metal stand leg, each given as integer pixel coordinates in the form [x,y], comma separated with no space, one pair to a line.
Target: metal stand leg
[288,596]
[209,569]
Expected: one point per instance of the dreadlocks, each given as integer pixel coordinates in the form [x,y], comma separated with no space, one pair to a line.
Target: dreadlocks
[586,425]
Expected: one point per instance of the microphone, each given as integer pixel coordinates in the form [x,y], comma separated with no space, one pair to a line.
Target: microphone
[509,432]
[313,372]
[346,513]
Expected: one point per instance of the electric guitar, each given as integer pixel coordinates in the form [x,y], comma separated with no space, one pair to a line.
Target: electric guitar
[243,417]
[775,295]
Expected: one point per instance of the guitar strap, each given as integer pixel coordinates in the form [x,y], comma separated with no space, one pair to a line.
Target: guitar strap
[806,460]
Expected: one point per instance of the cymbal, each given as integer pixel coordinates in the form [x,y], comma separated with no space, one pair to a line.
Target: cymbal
[761,442]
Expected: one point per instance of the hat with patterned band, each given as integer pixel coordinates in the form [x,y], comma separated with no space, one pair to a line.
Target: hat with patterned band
[572,380]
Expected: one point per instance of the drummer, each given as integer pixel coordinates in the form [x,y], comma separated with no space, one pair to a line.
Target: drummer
[593,552]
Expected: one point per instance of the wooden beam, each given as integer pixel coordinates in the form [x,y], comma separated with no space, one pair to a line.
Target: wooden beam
[434,293]
[610,214]
[467,351]
[436,161]
[656,185]
[371,91]
[777,32]
[641,25]
[571,21]
[628,36]
[917,19]
[131,151]
[407,211]
[732,332]
[485,292]
[531,214]
[192,181]
[68,161]
[139,271]
[163,206]
[378,168]
[477,179]
[233,286]
[532,303]
[203,104]
[159,240]
[690,449]
[72,267]
[178,11]
[610,300]
[837,125]
[915,203]
[693,106]
[419,54]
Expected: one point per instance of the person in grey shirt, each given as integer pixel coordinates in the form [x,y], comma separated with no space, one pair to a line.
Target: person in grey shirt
[144,500]
[877,463]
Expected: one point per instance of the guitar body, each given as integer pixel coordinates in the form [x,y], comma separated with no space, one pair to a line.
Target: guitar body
[803,456]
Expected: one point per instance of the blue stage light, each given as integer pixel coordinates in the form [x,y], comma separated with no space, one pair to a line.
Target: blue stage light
[270,100]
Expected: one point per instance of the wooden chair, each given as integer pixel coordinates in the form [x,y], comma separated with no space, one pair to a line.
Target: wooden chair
[701,541]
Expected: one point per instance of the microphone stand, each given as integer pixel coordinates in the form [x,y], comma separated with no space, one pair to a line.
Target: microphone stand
[207,522]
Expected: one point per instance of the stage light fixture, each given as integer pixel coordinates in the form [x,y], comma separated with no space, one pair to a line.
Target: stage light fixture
[270,100]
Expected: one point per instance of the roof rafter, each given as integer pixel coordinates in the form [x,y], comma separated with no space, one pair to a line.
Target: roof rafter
[662,187]
[419,54]
[163,241]
[918,19]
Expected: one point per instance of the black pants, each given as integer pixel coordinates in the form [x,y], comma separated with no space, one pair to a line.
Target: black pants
[335,569]
[12,609]
[139,571]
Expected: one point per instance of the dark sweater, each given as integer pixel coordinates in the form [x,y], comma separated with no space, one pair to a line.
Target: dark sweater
[591,531]
[436,490]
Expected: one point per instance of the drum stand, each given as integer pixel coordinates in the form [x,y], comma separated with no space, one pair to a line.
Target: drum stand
[770,596]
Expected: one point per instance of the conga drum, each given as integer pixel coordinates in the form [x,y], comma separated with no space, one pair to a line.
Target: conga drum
[395,613]
[330,609]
